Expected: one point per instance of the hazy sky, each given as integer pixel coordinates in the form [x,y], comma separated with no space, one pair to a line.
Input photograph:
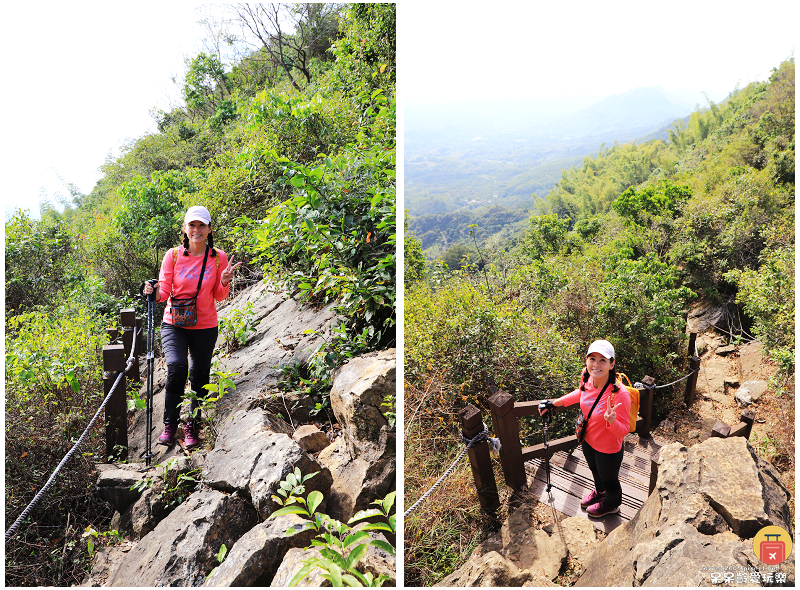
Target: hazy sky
[80,78]
[534,49]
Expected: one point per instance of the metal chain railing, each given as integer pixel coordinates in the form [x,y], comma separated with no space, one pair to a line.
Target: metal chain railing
[481,436]
[692,372]
[14,527]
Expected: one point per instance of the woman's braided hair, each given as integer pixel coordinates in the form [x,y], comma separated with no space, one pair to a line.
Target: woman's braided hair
[612,375]
[210,244]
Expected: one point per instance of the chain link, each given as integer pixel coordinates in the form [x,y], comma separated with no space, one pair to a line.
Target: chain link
[481,436]
[14,527]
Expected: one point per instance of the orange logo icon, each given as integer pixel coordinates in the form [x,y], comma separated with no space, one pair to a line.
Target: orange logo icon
[772,545]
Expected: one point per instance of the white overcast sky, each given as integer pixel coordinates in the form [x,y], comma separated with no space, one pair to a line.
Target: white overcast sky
[80,78]
[480,50]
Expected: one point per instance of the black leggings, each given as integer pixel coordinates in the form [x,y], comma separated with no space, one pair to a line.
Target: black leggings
[605,470]
[178,343]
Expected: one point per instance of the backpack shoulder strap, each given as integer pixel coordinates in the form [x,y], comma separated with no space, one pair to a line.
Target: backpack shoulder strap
[174,256]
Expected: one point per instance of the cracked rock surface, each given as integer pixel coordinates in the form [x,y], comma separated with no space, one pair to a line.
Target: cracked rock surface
[710,501]
[252,460]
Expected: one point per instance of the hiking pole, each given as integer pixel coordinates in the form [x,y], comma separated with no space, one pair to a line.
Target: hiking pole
[546,405]
[151,303]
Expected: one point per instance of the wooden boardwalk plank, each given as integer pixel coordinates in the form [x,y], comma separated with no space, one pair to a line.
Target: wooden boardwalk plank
[571,479]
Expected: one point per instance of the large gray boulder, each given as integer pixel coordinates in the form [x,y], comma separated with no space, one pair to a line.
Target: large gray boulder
[292,563]
[579,535]
[279,339]
[704,315]
[359,389]
[356,482]
[751,391]
[528,548]
[252,460]
[492,570]
[710,501]
[363,462]
[160,498]
[182,549]
[255,557]
[114,483]
[518,554]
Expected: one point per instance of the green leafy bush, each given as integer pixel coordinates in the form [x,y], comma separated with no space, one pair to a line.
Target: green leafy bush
[341,548]
[767,295]
[237,327]
[53,386]
[664,199]
[39,262]
[546,234]
[641,313]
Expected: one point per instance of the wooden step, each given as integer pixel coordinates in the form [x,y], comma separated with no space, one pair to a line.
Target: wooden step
[571,479]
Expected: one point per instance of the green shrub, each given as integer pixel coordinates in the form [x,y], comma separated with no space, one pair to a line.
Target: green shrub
[39,262]
[641,312]
[53,386]
[341,548]
[767,295]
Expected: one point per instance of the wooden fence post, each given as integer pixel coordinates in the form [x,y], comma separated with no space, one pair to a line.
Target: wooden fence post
[646,406]
[479,459]
[748,417]
[654,460]
[691,382]
[504,421]
[692,343]
[128,323]
[720,429]
[116,408]
[743,428]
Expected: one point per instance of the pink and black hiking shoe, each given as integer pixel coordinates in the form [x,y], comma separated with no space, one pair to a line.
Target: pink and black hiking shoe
[191,435]
[601,509]
[168,436]
[592,497]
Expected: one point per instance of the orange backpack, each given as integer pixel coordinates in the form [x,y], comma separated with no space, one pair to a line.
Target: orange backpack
[634,395]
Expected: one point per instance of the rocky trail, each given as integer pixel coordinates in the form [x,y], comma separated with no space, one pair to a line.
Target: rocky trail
[712,495]
[177,514]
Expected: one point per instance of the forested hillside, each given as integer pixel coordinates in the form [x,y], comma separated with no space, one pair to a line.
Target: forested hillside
[290,144]
[625,243]
[512,157]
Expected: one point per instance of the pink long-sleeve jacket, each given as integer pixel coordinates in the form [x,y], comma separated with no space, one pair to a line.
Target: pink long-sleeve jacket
[599,434]
[180,277]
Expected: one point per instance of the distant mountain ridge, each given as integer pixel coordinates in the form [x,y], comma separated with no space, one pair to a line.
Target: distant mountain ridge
[474,154]
[637,110]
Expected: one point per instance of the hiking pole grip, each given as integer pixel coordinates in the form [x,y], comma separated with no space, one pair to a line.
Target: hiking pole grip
[154,284]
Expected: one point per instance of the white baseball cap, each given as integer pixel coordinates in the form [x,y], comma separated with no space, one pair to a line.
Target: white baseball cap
[603,347]
[197,213]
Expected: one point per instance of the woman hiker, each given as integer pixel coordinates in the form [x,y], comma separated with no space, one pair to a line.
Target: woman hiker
[190,327]
[607,425]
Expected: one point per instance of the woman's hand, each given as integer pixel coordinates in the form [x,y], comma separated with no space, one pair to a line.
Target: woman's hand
[545,407]
[227,275]
[611,414]
[149,287]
